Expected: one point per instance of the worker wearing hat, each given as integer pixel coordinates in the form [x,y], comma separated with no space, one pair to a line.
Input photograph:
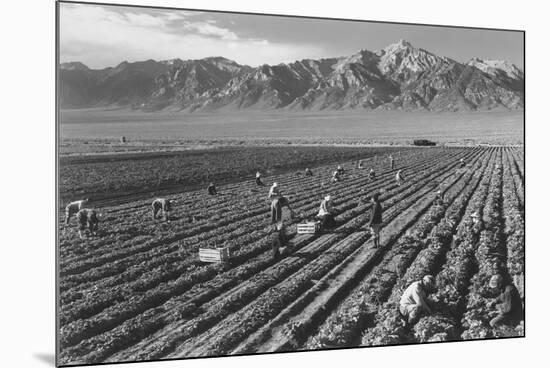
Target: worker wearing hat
[259,181]
[212,189]
[414,301]
[399,177]
[477,223]
[326,213]
[508,302]
[375,219]
[274,191]
[277,208]
[438,200]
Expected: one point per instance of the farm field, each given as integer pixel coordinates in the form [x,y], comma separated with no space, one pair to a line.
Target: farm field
[139,291]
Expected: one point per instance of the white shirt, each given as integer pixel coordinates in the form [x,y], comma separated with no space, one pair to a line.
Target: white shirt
[76,205]
[413,295]
[325,208]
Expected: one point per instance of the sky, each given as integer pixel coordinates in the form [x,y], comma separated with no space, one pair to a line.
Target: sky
[104,36]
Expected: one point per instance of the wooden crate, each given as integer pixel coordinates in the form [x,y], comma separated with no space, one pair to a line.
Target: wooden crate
[308,227]
[214,255]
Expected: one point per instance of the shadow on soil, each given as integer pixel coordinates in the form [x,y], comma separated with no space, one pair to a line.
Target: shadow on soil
[46,358]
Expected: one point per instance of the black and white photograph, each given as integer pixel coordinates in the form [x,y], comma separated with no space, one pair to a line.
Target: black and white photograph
[233,183]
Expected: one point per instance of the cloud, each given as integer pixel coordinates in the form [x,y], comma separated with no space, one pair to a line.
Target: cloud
[105,36]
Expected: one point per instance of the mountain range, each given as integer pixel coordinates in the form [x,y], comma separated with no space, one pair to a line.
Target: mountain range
[398,77]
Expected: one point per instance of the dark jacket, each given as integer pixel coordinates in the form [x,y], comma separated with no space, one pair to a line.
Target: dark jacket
[510,303]
[376,214]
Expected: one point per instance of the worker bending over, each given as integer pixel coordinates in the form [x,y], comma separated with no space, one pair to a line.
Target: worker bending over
[308,172]
[212,189]
[507,303]
[259,181]
[414,301]
[277,209]
[372,174]
[327,213]
[399,177]
[162,205]
[73,207]
[87,218]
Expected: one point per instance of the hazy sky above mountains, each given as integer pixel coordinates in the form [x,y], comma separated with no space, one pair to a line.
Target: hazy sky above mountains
[102,36]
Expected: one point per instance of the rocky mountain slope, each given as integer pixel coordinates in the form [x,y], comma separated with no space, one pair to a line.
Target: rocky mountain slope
[398,77]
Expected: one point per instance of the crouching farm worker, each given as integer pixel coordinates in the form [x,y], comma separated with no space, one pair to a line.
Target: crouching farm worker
[277,209]
[414,301]
[438,200]
[399,177]
[372,174]
[309,172]
[161,205]
[212,189]
[73,207]
[259,181]
[87,218]
[278,240]
[508,303]
[326,213]
[375,219]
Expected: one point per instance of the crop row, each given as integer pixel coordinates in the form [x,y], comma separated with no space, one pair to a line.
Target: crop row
[389,328]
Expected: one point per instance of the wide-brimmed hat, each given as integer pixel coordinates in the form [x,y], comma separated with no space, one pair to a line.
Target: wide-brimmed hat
[495,281]
[429,280]
[327,197]
[275,184]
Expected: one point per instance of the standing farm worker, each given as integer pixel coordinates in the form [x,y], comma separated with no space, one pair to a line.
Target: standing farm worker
[508,303]
[278,240]
[438,200]
[277,209]
[308,172]
[326,213]
[162,205]
[399,177]
[87,218]
[212,189]
[74,207]
[414,301]
[274,191]
[372,174]
[375,219]
[391,162]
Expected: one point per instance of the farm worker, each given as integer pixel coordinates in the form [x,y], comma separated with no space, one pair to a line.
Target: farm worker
[375,219]
[259,179]
[274,191]
[336,176]
[508,303]
[87,218]
[308,172]
[414,300]
[438,200]
[399,177]
[277,209]
[476,224]
[326,213]
[340,170]
[372,174]
[360,164]
[161,204]
[462,163]
[212,189]
[278,240]
[74,207]
[391,162]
